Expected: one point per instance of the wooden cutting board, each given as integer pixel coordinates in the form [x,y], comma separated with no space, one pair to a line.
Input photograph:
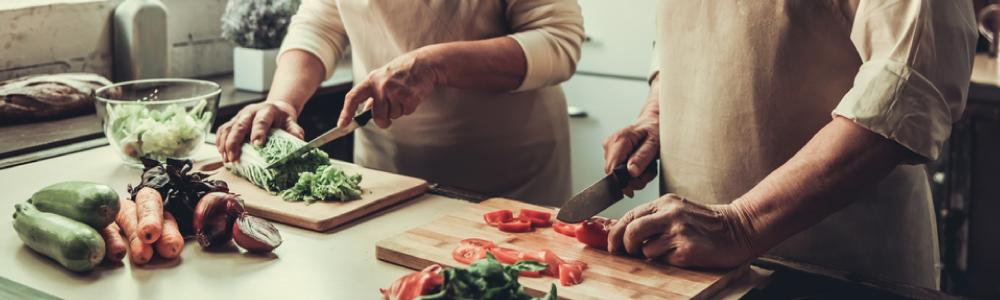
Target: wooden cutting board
[608,276]
[378,190]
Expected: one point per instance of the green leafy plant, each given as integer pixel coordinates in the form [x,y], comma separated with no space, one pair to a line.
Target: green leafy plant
[488,279]
[258,24]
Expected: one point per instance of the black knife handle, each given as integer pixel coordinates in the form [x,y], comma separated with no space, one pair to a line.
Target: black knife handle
[621,172]
[363,117]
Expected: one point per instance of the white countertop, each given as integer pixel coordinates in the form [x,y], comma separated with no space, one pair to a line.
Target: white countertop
[337,264]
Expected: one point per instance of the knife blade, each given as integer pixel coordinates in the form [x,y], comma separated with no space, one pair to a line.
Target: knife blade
[358,121]
[598,196]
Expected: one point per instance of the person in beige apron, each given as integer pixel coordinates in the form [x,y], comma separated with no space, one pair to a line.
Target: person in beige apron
[739,114]
[470,89]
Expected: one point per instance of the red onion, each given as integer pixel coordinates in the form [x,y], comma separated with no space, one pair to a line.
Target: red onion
[255,234]
[212,221]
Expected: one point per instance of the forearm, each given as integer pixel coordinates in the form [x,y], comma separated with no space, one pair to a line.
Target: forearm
[842,161]
[497,63]
[651,109]
[297,77]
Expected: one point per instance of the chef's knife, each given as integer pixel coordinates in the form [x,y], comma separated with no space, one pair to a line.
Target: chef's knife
[599,196]
[358,121]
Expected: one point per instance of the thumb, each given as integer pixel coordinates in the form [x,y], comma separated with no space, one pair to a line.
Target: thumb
[354,98]
[647,152]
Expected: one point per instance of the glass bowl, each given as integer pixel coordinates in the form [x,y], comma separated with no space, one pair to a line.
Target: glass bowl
[157,118]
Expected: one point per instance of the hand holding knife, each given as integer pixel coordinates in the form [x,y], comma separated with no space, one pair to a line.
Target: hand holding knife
[358,121]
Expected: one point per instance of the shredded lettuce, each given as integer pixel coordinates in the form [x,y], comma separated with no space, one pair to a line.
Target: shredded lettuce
[306,178]
[326,183]
[157,134]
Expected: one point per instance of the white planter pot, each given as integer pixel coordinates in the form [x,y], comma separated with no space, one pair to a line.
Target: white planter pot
[253,69]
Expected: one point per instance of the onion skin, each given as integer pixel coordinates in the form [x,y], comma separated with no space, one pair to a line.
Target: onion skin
[256,235]
[212,222]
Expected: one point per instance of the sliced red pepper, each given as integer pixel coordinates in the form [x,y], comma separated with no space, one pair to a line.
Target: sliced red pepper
[594,232]
[553,260]
[534,222]
[468,254]
[496,217]
[576,263]
[565,229]
[532,274]
[505,255]
[570,275]
[477,242]
[514,225]
[415,284]
[534,214]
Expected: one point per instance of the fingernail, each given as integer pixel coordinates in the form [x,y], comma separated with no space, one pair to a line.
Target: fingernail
[257,142]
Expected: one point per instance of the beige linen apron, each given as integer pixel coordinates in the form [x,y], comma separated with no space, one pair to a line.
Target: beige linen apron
[500,143]
[744,85]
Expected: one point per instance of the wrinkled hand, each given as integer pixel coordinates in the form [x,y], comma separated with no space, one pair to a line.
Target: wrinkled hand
[639,144]
[684,233]
[256,120]
[395,90]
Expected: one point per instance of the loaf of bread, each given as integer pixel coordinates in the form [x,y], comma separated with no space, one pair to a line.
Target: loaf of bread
[46,97]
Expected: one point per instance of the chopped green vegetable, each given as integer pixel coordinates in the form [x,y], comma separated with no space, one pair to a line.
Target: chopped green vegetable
[157,134]
[308,177]
[488,279]
[327,183]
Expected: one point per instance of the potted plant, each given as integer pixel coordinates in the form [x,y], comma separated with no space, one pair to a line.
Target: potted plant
[257,28]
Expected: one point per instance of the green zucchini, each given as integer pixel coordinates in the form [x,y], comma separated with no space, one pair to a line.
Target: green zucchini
[75,245]
[93,204]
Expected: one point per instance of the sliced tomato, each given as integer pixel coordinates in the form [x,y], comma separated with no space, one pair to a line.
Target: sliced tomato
[570,275]
[553,260]
[565,229]
[514,225]
[505,255]
[594,232]
[467,254]
[576,263]
[415,285]
[477,243]
[496,217]
[532,274]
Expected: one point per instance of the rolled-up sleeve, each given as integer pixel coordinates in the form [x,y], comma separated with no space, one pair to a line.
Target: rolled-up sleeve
[917,59]
[550,33]
[318,29]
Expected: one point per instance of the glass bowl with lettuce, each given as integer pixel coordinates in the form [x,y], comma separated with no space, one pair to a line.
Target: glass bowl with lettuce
[157,118]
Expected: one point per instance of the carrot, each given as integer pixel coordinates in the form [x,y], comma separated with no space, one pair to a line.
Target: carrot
[113,242]
[171,243]
[141,252]
[149,209]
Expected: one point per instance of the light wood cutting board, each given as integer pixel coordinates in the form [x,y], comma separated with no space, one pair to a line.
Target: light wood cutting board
[378,190]
[608,276]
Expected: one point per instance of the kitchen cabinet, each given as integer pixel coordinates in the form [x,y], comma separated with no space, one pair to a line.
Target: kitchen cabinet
[619,38]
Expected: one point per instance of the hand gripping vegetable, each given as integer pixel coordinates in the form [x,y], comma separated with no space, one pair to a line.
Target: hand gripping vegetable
[139,252]
[308,178]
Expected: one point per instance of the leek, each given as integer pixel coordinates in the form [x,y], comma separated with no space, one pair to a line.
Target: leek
[308,177]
